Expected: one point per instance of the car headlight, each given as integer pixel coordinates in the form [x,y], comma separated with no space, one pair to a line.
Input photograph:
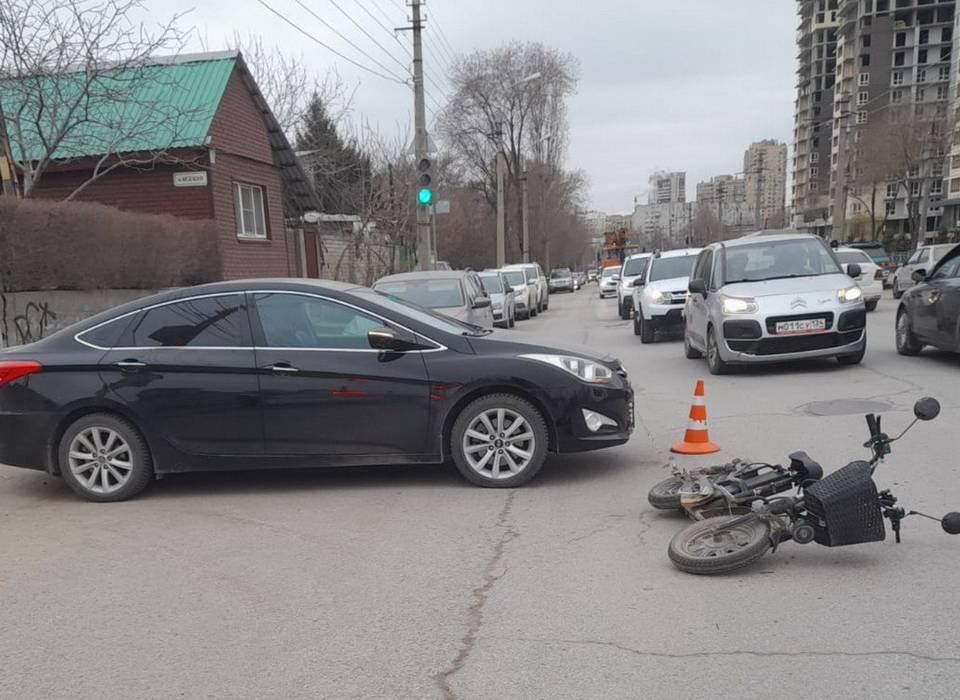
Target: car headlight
[849,295]
[498,304]
[739,305]
[585,370]
[660,297]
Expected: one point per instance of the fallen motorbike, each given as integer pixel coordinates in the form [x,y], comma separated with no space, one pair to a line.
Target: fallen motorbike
[739,516]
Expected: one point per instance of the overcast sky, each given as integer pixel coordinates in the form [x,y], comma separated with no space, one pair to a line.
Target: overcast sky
[671,84]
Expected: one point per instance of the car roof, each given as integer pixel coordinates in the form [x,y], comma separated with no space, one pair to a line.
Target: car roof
[518,266]
[426,275]
[848,249]
[678,253]
[639,255]
[781,235]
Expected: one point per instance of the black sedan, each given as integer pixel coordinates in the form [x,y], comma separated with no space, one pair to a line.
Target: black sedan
[292,373]
[929,312]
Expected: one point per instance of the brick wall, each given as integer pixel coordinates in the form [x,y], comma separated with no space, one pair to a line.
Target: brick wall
[147,191]
[238,126]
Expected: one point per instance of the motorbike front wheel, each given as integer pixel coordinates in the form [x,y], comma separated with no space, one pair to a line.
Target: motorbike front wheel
[714,547]
[665,495]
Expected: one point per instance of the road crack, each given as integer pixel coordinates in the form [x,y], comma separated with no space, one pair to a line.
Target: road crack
[491,574]
[734,652]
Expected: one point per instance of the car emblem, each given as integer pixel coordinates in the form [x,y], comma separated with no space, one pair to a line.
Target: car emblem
[798,303]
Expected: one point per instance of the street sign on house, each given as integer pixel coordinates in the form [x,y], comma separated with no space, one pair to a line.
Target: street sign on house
[442,207]
[195,178]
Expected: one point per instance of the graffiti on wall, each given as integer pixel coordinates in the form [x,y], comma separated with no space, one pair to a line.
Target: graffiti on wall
[33,323]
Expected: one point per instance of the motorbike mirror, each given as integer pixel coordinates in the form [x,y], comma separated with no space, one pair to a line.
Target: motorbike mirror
[951,523]
[926,408]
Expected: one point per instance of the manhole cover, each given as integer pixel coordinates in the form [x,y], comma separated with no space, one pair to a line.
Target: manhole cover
[844,407]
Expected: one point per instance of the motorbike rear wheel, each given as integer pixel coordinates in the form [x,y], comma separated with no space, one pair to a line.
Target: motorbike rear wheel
[711,547]
[665,495]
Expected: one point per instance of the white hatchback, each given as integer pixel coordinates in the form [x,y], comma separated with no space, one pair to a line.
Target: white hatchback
[871,276]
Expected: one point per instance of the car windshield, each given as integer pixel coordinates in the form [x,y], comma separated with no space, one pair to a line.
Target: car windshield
[671,267]
[531,274]
[611,271]
[853,256]
[559,274]
[515,278]
[876,253]
[491,284]
[634,267]
[770,260]
[430,293]
[420,314]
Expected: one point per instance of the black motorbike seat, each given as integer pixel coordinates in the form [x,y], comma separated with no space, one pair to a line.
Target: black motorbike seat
[812,470]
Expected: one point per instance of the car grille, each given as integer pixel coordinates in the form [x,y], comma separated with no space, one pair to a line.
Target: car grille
[794,343]
[678,297]
[772,321]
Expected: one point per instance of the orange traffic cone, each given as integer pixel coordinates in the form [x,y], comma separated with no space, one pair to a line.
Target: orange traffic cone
[696,441]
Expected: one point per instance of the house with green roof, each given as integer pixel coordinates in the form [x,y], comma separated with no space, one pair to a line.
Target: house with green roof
[192,137]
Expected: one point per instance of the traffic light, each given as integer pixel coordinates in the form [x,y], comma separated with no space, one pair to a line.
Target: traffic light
[425,183]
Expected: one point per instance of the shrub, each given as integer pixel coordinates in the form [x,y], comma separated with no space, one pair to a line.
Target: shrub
[74,245]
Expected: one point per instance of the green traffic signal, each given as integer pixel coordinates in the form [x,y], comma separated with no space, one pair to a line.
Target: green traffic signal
[425,196]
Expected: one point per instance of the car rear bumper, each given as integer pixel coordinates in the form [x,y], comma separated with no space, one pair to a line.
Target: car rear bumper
[24,440]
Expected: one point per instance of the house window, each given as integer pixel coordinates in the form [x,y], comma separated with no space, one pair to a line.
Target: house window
[815,156]
[924,36]
[955,185]
[898,58]
[896,77]
[855,208]
[865,60]
[946,34]
[813,186]
[891,208]
[251,220]
[943,73]
[942,91]
[922,56]
[914,171]
[865,41]
[936,187]
[945,52]
[936,170]
[921,94]
[922,75]
[914,189]
[863,79]
[861,117]
[896,96]
[814,171]
[862,98]
[892,190]
[900,39]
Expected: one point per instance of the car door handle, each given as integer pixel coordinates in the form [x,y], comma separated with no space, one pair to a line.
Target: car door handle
[283,367]
[130,364]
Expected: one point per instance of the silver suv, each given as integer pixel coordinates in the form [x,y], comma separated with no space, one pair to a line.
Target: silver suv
[771,299]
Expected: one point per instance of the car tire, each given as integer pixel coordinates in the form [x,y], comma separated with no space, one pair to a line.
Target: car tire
[119,465]
[636,323]
[624,310]
[690,352]
[897,292]
[484,467]
[907,343]
[513,320]
[715,363]
[872,305]
[648,334]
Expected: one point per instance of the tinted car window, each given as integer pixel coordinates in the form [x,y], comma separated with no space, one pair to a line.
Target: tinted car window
[948,270]
[107,335]
[634,267]
[433,294]
[491,284]
[610,271]
[297,321]
[516,279]
[205,322]
[531,274]
[853,256]
[668,268]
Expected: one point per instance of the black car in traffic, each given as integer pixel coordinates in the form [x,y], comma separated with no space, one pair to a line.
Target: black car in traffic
[929,312]
[293,373]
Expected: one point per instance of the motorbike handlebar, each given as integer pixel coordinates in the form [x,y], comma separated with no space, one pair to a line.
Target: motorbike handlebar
[873,424]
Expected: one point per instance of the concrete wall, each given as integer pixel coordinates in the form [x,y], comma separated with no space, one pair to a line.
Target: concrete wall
[29,316]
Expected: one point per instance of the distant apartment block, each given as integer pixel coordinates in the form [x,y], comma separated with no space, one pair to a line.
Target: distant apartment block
[765,181]
[667,187]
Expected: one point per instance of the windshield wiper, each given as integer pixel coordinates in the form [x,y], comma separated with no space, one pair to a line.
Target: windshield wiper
[778,277]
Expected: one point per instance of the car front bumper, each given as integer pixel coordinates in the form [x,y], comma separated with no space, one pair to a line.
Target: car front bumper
[614,402]
[608,290]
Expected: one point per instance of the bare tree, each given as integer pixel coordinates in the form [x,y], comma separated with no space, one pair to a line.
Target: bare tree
[78,79]
[513,99]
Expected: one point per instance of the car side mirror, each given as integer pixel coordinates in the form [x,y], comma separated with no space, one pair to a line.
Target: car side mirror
[853,270]
[387,340]
[615,278]
[698,287]
[481,302]
[919,275]
[507,289]
[926,408]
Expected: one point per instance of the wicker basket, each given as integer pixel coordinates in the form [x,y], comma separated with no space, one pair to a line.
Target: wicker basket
[843,507]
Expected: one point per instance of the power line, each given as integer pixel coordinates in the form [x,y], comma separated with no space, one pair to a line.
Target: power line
[339,34]
[368,35]
[443,36]
[332,50]
[387,29]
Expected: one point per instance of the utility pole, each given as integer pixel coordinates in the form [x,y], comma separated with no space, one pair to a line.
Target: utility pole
[526,213]
[420,133]
[501,212]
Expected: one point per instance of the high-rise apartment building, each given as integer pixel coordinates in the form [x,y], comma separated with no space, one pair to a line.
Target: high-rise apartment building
[885,125]
[765,181]
[667,188]
[813,113]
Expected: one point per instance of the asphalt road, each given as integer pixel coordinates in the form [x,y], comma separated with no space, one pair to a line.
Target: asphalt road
[408,583]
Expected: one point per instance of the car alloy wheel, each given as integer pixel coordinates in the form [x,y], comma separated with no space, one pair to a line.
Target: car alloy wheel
[498,444]
[101,460]
[907,343]
[715,363]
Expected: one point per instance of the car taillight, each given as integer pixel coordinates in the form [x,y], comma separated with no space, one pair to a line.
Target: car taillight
[879,274]
[12,369]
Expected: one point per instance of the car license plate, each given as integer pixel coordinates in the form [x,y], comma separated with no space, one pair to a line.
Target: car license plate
[806,325]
